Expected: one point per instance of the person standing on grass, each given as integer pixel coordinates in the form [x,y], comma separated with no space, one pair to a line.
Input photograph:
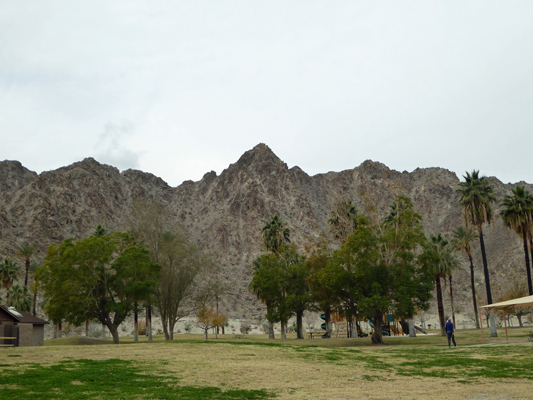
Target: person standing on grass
[449,332]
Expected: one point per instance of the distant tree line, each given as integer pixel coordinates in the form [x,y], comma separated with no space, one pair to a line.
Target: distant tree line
[384,264]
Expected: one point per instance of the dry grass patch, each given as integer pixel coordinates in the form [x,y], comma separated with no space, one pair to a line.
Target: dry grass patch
[405,368]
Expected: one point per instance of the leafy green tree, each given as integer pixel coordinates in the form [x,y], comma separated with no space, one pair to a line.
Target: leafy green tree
[329,282]
[26,252]
[19,296]
[97,278]
[388,276]
[516,215]
[280,282]
[267,285]
[462,238]
[275,233]
[8,273]
[297,298]
[343,219]
[477,197]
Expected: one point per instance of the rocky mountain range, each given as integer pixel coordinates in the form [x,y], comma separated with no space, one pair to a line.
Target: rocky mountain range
[224,213]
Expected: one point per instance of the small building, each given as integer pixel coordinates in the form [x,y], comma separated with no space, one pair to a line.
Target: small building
[28,330]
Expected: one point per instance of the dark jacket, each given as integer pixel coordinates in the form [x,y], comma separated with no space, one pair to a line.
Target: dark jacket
[449,327]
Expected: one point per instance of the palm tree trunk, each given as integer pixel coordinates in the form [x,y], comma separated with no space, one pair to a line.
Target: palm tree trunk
[528,265]
[473,284]
[27,272]
[451,300]
[440,306]
[34,312]
[493,332]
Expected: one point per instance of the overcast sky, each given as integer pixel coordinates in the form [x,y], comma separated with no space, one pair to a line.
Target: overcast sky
[180,88]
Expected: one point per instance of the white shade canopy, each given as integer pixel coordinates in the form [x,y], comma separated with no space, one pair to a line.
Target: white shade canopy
[519,302]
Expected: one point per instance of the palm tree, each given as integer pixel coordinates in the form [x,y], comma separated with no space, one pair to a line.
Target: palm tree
[462,237]
[451,262]
[516,215]
[275,233]
[477,196]
[19,296]
[25,251]
[343,219]
[100,231]
[394,216]
[8,273]
[438,246]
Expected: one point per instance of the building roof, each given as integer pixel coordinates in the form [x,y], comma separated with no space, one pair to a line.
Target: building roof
[23,317]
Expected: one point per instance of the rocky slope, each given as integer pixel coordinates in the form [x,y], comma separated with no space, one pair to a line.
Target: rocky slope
[225,213]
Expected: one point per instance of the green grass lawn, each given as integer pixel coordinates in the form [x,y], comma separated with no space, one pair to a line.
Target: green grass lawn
[258,368]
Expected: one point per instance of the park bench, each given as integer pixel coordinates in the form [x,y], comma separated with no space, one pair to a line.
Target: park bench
[315,334]
[237,336]
[2,338]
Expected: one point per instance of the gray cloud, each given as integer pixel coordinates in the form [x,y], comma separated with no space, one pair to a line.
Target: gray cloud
[110,148]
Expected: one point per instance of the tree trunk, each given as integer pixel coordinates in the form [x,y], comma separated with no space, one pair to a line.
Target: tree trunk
[519,316]
[299,325]
[531,250]
[451,301]
[528,265]
[283,330]
[87,328]
[34,303]
[149,323]
[27,272]
[103,331]
[412,330]
[171,325]
[271,330]
[60,330]
[440,307]
[328,324]
[136,325]
[377,336]
[493,332]
[114,333]
[473,284]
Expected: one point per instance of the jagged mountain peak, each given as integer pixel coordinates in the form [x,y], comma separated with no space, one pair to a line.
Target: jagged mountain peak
[260,156]
[13,175]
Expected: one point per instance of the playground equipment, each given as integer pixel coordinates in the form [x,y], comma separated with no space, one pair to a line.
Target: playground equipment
[383,332]
[324,326]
